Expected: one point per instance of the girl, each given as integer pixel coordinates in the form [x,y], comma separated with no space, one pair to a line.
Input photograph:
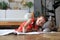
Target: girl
[32,24]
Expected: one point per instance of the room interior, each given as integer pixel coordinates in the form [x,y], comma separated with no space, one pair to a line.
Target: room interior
[15,12]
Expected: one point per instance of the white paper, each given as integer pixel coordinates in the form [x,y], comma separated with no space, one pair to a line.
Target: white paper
[8,31]
[28,33]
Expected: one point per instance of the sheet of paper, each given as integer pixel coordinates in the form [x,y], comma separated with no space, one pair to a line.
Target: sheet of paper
[29,33]
[34,32]
[6,31]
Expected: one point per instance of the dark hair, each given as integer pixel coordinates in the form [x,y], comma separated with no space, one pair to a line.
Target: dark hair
[43,17]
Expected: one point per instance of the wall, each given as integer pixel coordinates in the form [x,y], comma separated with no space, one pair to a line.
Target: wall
[17,3]
[37,7]
[57,11]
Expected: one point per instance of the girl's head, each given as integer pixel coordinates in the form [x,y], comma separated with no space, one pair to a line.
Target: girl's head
[40,20]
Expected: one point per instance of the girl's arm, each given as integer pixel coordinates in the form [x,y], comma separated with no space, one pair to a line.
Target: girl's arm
[26,24]
[23,27]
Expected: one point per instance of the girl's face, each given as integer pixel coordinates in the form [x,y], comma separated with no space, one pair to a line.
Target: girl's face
[40,21]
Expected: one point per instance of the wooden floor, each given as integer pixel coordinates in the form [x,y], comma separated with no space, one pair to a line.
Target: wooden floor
[46,36]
